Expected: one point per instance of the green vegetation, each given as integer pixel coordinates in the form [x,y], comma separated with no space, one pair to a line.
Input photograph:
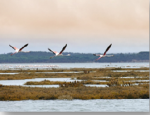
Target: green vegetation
[44,57]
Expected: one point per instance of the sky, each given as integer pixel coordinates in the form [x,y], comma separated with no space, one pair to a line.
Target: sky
[86,26]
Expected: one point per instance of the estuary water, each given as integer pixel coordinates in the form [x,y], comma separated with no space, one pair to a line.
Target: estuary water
[95,105]
[71,65]
[75,105]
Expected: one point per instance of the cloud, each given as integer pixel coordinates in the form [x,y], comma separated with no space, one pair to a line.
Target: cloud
[75,21]
[56,15]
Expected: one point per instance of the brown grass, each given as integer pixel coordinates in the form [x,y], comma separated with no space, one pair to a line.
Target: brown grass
[117,92]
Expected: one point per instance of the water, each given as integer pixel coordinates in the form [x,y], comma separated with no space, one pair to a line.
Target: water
[96,105]
[22,82]
[71,65]
[96,85]
[130,70]
[8,73]
[42,86]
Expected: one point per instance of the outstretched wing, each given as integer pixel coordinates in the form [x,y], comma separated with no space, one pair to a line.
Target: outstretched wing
[23,47]
[107,49]
[51,51]
[13,47]
[98,58]
[63,49]
[104,52]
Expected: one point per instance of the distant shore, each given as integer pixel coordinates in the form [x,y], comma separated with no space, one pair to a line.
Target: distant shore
[44,57]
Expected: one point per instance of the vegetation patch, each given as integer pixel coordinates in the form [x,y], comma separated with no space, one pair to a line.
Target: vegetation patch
[119,87]
[116,92]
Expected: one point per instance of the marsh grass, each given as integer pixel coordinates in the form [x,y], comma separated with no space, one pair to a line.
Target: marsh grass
[38,75]
[119,88]
[45,82]
[116,92]
[72,84]
[65,84]
[65,97]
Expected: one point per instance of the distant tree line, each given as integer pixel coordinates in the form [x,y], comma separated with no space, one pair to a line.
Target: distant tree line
[44,57]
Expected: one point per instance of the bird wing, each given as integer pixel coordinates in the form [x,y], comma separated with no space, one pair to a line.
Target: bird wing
[98,58]
[104,52]
[107,49]
[51,51]
[13,47]
[63,49]
[23,47]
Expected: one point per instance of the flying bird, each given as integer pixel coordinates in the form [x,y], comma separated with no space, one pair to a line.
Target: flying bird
[104,55]
[18,50]
[56,53]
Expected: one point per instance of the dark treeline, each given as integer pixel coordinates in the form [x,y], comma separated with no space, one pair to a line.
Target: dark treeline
[44,57]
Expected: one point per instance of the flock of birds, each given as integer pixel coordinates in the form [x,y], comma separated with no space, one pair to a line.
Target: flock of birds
[60,53]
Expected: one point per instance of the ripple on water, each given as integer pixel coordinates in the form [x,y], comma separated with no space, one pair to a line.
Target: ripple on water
[95,105]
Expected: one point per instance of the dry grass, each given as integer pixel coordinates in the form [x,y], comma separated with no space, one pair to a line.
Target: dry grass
[45,82]
[117,92]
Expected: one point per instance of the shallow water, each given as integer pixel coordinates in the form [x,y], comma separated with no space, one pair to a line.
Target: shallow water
[22,82]
[127,77]
[96,85]
[130,70]
[139,80]
[44,86]
[99,80]
[96,105]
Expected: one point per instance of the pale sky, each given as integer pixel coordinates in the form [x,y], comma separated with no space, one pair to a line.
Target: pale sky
[87,26]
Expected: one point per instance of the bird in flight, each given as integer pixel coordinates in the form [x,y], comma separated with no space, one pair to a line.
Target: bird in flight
[18,50]
[104,55]
[56,53]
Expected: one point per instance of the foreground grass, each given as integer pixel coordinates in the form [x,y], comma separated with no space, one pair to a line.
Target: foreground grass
[81,92]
